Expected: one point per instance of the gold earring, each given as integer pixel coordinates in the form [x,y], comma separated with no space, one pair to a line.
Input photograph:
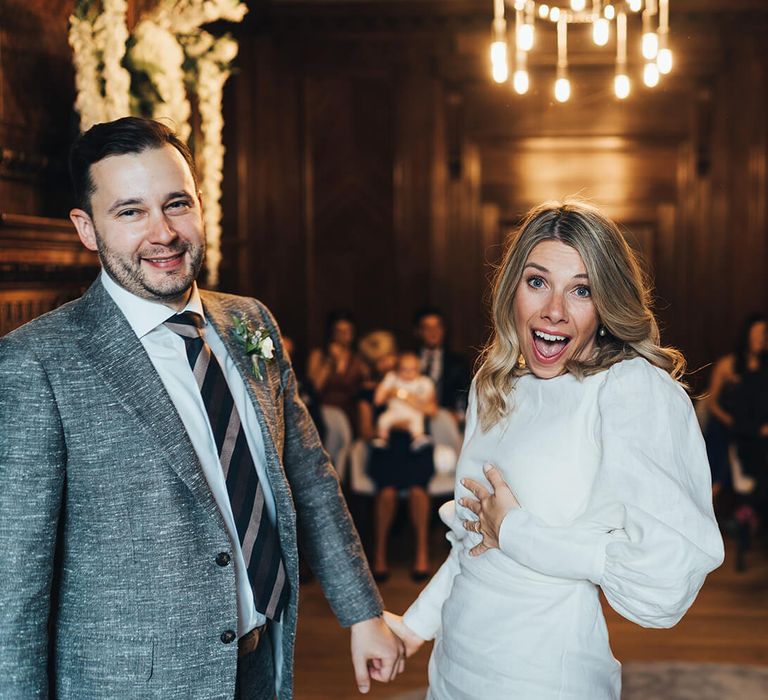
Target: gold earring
[521,361]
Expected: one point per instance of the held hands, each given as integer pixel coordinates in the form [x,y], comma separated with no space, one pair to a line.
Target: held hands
[491,507]
[411,640]
[377,653]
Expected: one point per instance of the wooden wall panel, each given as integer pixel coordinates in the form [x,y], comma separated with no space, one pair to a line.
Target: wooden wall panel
[425,205]
[351,126]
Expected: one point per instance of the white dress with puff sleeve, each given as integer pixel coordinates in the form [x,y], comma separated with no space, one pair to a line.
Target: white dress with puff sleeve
[612,478]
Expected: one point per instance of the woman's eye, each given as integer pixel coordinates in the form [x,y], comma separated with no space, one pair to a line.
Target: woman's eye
[536,282]
[583,292]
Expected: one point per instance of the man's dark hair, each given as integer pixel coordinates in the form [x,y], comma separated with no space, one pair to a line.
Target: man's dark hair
[117,138]
[427,311]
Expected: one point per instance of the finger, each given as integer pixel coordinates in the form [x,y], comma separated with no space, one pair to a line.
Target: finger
[470,525]
[494,477]
[384,671]
[478,550]
[477,489]
[394,670]
[362,675]
[471,504]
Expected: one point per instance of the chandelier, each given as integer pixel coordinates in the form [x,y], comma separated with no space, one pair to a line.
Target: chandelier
[603,16]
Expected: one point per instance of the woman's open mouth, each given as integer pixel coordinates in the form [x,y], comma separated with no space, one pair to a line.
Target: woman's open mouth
[549,346]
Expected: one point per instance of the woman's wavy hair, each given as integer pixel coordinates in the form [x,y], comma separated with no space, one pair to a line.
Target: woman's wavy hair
[620,291]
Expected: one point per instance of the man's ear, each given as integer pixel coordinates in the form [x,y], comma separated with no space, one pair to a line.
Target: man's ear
[85,228]
[200,199]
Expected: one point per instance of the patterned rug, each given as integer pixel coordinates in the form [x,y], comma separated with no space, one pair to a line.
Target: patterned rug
[678,681]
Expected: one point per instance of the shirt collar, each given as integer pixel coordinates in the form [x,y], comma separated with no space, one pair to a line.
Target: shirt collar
[144,315]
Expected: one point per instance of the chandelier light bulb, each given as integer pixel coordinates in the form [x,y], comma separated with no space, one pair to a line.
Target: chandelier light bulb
[521,81]
[520,5]
[525,37]
[664,61]
[578,5]
[554,13]
[499,68]
[635,5]
[543,11]
[600,31]
[651,75]
[650,45]
[562,89]
[621,86]
[609,12]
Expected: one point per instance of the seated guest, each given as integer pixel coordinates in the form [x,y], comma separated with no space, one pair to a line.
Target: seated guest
[394,467]
[409,396]
[336,370]
[449,372]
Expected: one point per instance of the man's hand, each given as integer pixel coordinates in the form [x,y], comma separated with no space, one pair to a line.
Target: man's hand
[376,653]
[491,507]
[411,640]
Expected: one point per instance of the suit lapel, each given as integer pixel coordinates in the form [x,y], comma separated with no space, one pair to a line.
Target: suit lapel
[109,344]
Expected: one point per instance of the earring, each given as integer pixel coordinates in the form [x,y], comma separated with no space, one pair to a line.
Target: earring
[521,361]
[601,331]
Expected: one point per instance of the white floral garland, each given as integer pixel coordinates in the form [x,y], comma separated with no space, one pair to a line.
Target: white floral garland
[117,80]
[89,102]
[161,43]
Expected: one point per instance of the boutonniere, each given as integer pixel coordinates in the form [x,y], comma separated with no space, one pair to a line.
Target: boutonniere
[256,341]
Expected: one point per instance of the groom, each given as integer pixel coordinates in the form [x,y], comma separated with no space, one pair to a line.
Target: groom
[156,463]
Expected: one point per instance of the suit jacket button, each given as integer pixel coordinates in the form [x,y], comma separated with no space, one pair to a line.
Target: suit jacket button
[222,558]
[228,637]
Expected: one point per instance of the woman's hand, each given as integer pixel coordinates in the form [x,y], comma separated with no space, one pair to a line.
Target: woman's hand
[490,508]
[408,637]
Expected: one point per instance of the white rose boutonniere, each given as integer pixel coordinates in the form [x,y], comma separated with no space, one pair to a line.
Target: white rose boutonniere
[256,341]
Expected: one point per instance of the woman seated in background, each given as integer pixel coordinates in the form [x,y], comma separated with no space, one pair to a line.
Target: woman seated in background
[600,478]
[730,376]
[337,373]
[392,465]
[336,370]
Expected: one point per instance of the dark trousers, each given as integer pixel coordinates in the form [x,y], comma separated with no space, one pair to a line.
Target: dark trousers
[256,673]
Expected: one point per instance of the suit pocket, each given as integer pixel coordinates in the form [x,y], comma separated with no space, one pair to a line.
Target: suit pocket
[99,665]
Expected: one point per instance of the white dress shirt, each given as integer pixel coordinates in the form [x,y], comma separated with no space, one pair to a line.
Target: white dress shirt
[167,352]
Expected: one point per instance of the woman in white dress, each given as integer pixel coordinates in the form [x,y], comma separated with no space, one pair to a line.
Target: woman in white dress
[600,478]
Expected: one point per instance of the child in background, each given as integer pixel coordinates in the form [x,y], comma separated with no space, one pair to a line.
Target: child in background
[409,397]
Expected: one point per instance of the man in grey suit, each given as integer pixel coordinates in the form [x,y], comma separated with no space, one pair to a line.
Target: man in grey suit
[155,464]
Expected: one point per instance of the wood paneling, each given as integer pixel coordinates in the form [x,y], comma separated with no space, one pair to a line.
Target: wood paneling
[42,265]
[416,213]
[372,164]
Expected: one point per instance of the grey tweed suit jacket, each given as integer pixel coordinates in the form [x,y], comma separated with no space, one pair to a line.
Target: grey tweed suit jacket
[109,533]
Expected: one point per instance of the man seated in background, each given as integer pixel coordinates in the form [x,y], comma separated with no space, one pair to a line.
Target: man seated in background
[449,372]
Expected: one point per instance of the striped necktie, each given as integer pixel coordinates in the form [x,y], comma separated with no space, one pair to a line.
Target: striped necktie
[258,536]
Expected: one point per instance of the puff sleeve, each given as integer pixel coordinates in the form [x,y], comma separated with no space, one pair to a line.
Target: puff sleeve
[648,536]
[424,616]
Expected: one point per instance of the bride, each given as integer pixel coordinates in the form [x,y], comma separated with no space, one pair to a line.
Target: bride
[599,478]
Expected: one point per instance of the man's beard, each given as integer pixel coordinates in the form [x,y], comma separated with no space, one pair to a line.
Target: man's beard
[128,273]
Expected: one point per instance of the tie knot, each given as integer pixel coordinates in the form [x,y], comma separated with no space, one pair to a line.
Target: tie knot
[186,324]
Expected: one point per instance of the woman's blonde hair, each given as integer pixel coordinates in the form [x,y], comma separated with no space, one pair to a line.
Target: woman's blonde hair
[620,293]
